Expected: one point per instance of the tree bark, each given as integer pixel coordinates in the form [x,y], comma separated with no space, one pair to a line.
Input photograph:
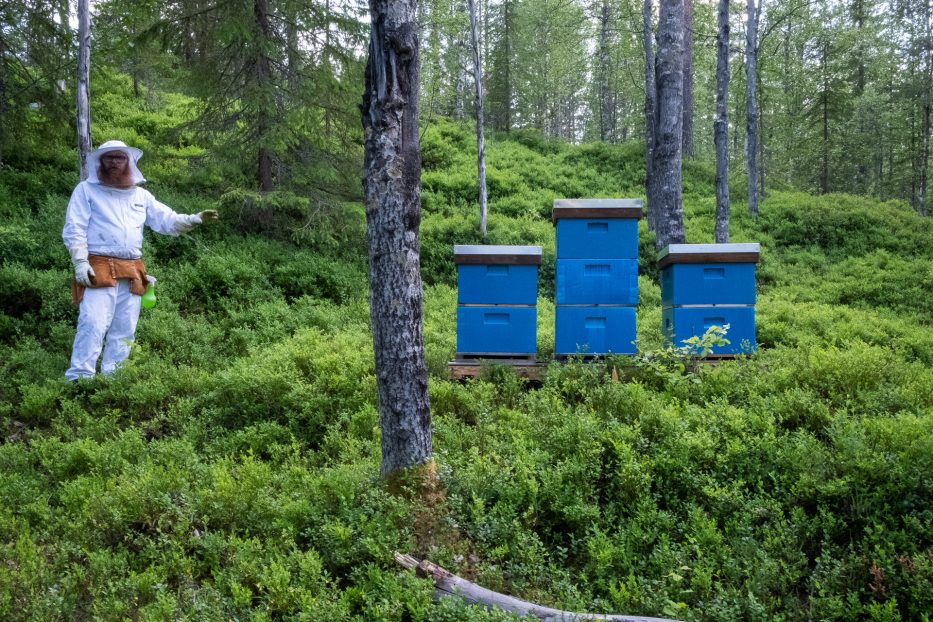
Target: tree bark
[751,106]
[668,157]
[83,86]
[721,124]
[4,107]
[504,118]
[392,189]
[688,79]
[651,113]
[923,204]
[824,168]
[449,584]
[606,116]
[480,137]
[263,118]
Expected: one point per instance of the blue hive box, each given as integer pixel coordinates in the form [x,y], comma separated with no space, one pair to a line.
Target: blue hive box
[709,284]
[594,330]
[497,290]
[597,228]
[680,323]
[597,281]
[496,330]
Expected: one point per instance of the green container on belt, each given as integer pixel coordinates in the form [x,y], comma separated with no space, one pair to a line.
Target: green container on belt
[149,298]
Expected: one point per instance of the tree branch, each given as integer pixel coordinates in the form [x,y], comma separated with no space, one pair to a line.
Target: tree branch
[449,584]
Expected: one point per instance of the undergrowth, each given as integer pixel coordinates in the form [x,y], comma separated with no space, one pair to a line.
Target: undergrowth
[230,470]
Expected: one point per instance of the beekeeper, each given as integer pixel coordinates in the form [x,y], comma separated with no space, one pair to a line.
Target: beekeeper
[104,235]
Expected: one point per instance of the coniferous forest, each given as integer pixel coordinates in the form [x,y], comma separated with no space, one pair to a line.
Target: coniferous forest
[235,466]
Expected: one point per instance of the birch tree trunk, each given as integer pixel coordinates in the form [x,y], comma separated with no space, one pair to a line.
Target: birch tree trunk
[83,86]
[480,137]
[668,157]
[721,124]
[751,106]
[651,113]
[688,79]
[606,121]
[392,189]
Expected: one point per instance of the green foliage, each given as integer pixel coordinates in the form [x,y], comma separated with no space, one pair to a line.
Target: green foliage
[229,470]
[672,364]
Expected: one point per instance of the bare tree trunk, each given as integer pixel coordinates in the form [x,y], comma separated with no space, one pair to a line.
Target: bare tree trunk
[263,121]
[751,106]
[449,584]
[761,134]
[327,60]
[606,120]
[3,95]
[688,79]
[83,86]
[651,113]
[507,8]
[923,205]
[480,137]
[668,157]
[460,88]
[392,189]
[824,169]
[721,124]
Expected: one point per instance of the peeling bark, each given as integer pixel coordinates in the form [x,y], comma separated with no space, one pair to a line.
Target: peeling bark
[83,86]
[668,157]
[392,189]
[449,584]
[607,116]
[721,124]
[651,113]
[480,136]
[751,106]
[688,80]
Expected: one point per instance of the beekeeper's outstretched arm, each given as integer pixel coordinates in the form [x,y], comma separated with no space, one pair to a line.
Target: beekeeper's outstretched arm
[162,219]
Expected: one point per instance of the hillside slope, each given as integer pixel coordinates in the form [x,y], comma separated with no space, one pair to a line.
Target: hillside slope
[230,469]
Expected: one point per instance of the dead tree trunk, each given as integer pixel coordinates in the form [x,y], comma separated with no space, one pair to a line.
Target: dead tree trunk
[449,584]
[751,106]
[392,189]
[606,116]
[480,137]
[668,157]
[688,79]
[651,113]
[923,203]
[263,121]
[83,86]
[721,124]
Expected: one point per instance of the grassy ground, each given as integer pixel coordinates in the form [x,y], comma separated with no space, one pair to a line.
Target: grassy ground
[230,469]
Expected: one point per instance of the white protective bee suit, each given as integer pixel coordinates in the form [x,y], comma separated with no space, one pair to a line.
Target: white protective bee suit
[108,221]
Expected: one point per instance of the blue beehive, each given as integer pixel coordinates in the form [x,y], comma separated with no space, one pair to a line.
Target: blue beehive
[597,281]
[594,330]
[497,294]
[597,228]
[597,275]
[709,284]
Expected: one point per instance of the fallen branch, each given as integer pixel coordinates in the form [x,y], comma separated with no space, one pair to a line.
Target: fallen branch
[449,584]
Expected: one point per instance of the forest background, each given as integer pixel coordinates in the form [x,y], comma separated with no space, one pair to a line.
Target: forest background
[230,470]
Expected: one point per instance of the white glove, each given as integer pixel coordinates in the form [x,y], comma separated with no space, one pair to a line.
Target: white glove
[83,273]
[83,270]
[208,215]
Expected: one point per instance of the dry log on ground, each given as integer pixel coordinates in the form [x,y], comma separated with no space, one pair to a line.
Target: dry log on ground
[449,584]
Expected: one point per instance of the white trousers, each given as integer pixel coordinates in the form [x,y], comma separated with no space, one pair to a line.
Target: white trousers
[105,312]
